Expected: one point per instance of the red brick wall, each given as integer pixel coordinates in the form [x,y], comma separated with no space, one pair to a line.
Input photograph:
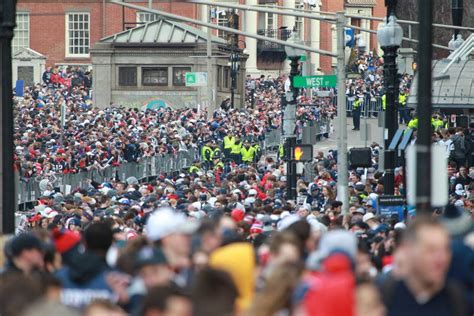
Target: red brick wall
[379,11]
[47,23]
[326,33]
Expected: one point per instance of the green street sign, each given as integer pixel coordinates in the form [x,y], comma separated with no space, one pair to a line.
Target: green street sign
[315,81]
[196,79]
[190,78]
[302,58]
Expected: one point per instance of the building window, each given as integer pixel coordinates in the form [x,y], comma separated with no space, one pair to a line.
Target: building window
[220,18]
[270,22]
[179,75]
[219,76]
[127,76]
[21,36]
[77,35]
[156,76]
[299,23]
[146,17]
[226,78]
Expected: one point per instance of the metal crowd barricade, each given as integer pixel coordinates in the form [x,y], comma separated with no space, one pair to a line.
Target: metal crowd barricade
[313,131]
[28,189]
[273,139]
[369,108]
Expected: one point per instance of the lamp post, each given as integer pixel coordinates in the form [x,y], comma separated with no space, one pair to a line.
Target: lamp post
[456,14]
[7,175]
[234,70]
[234,58]
[390,35]
[289,116]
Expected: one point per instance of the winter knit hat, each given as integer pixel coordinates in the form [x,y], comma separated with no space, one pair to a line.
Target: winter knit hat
[65,240]
[237,215]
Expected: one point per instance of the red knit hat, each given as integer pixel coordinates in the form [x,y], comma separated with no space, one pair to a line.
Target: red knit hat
[237,215]
[65,240]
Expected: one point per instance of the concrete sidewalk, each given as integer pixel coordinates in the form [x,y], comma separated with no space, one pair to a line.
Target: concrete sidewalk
[354,138]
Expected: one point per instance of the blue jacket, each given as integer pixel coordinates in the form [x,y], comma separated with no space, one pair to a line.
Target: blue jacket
[83,280]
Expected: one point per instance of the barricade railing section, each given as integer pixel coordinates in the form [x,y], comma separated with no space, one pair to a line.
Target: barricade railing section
[370,107]
[146,168]
[29,191]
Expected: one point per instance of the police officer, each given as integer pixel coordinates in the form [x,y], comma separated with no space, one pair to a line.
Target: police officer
[195,169]
[402,103]
[436,122]
[206,155]
[216,151]
[247,153]
[281,152]
[413,124]
[257,152]
[356,111]
[218,164]
[229,141]
[235,153]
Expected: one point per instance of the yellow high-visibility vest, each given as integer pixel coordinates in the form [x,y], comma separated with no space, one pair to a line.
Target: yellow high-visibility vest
[357,103]
[194,169]
[247,154]
[206,153]
[229,141]
[413,123]
[236,148]
[402,99]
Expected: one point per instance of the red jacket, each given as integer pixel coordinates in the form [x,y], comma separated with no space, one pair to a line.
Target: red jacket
[331,291]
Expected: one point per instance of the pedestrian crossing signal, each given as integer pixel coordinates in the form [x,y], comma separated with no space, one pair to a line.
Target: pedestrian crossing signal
[303,153]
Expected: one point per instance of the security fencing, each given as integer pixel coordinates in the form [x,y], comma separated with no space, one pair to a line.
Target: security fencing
[30,189]
[311,132]
[370,107]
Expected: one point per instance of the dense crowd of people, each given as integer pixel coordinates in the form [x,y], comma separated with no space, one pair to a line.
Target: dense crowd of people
[223,239]
[228,242]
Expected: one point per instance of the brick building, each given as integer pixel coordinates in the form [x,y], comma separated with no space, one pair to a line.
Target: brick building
[65,30]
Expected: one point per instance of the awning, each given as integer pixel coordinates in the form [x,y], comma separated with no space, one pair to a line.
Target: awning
[361,3]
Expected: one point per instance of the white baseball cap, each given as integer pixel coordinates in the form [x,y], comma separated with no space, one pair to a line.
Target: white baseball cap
[367,217]
[164,222]
[252,192]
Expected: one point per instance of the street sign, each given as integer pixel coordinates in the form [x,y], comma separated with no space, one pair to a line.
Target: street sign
[315,81]
[196,79]
[302,58]
[388,205]
[303,153]
[349,37]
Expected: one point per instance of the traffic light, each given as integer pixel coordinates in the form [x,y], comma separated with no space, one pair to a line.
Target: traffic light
[360,157]
[303,153]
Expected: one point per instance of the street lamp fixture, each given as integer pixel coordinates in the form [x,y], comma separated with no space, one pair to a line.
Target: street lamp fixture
[390,35]
[234,64]
[289,115]
[234,70]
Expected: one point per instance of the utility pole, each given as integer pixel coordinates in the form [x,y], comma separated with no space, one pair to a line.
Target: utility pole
[8,194]
[210,77]
[390,38]
[456,13]
[423,141]
[233,40]
[290,118]
[342,171]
